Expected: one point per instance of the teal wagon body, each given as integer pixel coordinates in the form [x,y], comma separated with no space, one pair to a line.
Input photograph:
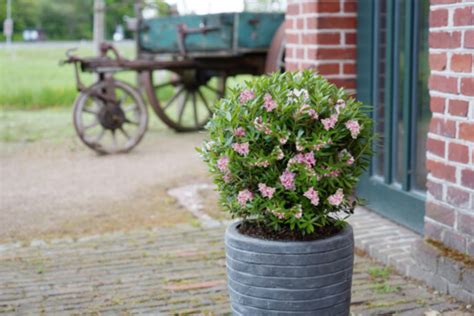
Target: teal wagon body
[225,33]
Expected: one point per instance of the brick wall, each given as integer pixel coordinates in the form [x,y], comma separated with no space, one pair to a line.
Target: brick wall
[321,34]
[450,157]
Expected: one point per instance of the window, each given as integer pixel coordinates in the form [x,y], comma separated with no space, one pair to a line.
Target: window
[392,76]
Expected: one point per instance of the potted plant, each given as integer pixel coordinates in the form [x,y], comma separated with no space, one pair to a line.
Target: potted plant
[286,152]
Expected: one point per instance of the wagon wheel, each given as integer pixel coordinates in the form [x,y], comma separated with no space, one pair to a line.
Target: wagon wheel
[110,117]
[276,53]
[184,100]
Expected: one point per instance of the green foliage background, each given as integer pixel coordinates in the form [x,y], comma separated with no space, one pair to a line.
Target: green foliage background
[66,19]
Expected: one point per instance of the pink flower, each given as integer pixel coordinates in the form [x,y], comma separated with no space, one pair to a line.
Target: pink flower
[313,114]
[283,140]
[261,127]
[269,104]
[299,214]
[318,147]
[227,177]
[303,108]
[309,159]
[246,96]
[312,195]
[242,149]
[266,190]
[333,173]
[287,180]
[354,127]
[239,132]
[336,198]
[278,214]
[329,122]
[244,196]
[299,147]
[263,163]
[345,155]
[223,163]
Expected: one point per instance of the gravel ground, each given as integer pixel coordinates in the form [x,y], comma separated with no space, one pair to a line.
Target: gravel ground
[56,189]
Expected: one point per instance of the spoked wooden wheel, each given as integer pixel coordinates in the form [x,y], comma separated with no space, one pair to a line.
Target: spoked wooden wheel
[110,117]
[184,100]
[276,53]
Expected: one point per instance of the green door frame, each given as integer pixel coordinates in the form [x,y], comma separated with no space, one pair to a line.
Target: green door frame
[396,201]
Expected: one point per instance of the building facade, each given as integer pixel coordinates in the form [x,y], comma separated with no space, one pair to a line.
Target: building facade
[412,60]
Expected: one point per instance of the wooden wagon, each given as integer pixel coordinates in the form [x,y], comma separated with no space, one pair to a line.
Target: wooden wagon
[198,52]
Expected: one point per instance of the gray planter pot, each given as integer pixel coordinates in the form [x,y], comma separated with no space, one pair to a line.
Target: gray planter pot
[289,278]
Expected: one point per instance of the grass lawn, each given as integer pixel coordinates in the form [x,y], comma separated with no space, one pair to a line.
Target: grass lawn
[37,94]
[31,77]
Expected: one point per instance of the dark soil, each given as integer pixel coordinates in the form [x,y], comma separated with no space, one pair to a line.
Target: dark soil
[257,230]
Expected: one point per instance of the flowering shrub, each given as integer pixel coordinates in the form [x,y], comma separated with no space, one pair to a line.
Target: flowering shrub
[287,150]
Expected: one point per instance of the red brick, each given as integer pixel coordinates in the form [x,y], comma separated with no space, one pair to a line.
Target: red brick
[293,9]
[350,6]
[311,23]
[337,22]
[463,16]
[436,147]
[435,189]
[443,84]
[328,69]
[466,223]
[445,39]
[325,6]
[438,61]
[437,104]
[441,214]
[336,53]
[441,170]
[351,38]
[458,107]
[194,286]
[467,86]
[443,1]
[433,230]
[349,69]
[289,25]
[309,39]
[454,239]
[467,178]
[469,39]
[300,24]
[458,152]
[461,62]
[443,127]
[300,53]
[439,18]
[328,38]
[292,38]
[291,66]
[457,197]
[466,131]
[345,83]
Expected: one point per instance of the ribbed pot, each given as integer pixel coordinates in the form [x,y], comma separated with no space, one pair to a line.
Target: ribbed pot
[289,278]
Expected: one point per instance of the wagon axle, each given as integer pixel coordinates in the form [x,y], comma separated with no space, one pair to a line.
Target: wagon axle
[111,117]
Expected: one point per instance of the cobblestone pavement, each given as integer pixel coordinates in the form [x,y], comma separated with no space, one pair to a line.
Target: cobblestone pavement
[179,270]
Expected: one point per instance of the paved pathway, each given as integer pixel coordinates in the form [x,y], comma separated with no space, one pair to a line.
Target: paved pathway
[175,271]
